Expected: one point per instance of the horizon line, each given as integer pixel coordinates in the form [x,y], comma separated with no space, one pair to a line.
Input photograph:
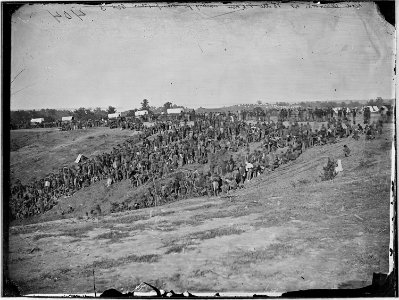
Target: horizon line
[122,108]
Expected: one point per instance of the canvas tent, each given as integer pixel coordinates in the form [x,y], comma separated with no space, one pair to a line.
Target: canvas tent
[114,116]
[141,113]
[37,120]
[69,118]
[373,109]
[81,158]
[175,110]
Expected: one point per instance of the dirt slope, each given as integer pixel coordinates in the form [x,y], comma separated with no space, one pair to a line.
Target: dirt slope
[284,231]
[37,152]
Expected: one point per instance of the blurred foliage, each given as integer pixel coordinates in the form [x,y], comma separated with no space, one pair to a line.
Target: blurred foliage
[329,170]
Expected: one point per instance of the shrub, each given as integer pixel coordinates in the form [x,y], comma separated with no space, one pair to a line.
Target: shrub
[303,181]
[329,170]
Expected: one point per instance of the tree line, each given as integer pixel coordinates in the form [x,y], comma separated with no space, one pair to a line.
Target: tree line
[83,114]
[350,104]
[53,115]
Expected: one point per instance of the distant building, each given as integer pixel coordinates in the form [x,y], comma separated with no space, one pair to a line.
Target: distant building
[114,116]
[69,118]
[37,120]
[373,109]
[141,113]
[177,110]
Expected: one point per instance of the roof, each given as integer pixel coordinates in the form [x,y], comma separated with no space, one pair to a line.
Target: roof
[113,116]
[177,110]
[37,120]
[141,112]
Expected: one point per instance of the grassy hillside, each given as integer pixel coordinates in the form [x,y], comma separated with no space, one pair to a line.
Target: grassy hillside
[37,152]
[286,230]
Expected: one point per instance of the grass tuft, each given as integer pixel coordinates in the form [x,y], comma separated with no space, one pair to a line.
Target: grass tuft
[113,263]
[42,236]
[177,246]
[176,249]
[112,235]
[213,233]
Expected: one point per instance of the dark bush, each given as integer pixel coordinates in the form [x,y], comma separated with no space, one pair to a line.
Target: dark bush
[329,170]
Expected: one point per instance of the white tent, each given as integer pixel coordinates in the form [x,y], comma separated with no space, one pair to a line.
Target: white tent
[373,109]
[114,116]
[80,158]
[175,110]
[69,118]
[141,113]
[37,120]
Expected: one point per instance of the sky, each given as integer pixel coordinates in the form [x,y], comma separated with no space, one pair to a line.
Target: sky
[71,55]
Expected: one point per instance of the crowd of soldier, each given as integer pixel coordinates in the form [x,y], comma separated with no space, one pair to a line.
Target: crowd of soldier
[158,151]
[231,174]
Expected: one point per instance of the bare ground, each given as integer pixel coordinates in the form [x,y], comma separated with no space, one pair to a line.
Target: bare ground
[285,231]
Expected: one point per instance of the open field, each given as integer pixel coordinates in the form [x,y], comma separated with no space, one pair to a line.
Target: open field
[285,231]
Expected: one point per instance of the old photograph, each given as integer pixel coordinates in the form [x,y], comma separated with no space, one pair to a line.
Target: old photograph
[201,149]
